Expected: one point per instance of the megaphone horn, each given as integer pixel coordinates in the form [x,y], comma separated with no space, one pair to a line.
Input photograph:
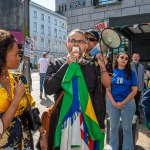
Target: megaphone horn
[110,38]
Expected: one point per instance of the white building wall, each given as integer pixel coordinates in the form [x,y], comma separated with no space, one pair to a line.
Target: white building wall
[53,43]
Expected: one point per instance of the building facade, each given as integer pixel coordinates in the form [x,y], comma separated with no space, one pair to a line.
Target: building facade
[11,15]
[48,31]
[11,18]
[131,18]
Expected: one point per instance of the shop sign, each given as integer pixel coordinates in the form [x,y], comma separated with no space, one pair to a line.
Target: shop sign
[77,4]
[18,36]
[101,25]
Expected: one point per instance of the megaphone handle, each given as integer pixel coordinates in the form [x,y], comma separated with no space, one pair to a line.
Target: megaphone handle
[104,47]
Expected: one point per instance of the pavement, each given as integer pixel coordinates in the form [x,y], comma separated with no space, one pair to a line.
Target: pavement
[143,142]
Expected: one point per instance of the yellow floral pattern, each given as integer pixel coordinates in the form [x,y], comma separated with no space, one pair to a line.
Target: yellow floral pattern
[6,99]
[17,136]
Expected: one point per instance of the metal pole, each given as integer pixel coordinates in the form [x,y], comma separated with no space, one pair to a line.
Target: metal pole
[26,70]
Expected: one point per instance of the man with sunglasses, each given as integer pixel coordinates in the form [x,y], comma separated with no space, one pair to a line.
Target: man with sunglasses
[92,40]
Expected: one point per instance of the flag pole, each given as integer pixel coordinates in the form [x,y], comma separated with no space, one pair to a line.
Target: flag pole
[26,70]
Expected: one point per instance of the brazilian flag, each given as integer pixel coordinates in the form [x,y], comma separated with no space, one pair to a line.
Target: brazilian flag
[93,128]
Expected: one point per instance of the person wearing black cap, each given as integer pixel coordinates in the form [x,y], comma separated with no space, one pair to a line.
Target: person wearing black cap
[93,39]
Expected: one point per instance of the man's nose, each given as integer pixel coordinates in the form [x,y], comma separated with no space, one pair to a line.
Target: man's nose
[76,43]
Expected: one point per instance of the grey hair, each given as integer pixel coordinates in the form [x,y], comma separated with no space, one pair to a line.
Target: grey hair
[74,31]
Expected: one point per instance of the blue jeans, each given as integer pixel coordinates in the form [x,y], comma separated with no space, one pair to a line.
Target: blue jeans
[126,114]
[42,77]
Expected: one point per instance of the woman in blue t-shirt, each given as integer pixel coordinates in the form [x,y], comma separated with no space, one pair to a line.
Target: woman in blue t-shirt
[120,103]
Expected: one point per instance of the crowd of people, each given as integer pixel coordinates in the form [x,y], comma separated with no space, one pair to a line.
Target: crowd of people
[92,88]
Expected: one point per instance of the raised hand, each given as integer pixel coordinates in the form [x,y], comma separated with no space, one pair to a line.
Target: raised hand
[19,90]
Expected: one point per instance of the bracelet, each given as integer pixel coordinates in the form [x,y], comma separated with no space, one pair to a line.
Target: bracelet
[103,71]
[42,133]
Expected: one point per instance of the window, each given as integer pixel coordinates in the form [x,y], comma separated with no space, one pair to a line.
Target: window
[42,29]
[55,46]
[42,17]
[59,9]
[35,14]
[65,7]
[62,8]
[35,42]
[63,25]
[60,23]
[60,47]
[49,19]
[49,45]
[64,37]
[42,44]
[59,34]
[49,31]
[55,32]
[55,22]
[34,27]
[107,1]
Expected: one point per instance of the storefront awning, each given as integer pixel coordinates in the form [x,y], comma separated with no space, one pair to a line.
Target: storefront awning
[135,31]
[134,26]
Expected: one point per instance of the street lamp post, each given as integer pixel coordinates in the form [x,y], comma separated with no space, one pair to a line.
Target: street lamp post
[26,33]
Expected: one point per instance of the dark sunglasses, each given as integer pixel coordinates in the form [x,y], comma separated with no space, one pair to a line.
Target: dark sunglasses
[125,58]
[91,39]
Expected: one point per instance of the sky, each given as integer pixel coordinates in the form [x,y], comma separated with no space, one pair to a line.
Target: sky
[50,4]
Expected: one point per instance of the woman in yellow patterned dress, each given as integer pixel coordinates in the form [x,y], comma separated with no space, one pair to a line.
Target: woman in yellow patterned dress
[15,133]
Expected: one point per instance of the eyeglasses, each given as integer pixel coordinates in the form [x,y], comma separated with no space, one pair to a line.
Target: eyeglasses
[73,41]
[125,58]
[91,39]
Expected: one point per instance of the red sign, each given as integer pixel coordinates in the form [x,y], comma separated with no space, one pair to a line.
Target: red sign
[19,36]
[101,26]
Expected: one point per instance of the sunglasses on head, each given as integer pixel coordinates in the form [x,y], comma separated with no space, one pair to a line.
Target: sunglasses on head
[125,58]
[91,39]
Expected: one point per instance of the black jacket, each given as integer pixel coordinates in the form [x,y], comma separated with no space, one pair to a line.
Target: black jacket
[52,85]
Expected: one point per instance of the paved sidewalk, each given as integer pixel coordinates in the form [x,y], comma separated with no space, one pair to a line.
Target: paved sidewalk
[143,142]
[42,104]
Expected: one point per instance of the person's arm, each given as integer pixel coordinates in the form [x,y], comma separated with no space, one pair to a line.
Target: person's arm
[38,67]
[105,78]
[54,76]
[111,99]
[130,96]
[134,88]
[43,138]
[109,95]
[10,112]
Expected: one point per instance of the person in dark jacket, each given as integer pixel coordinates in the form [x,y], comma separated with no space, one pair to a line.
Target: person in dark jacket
[146,106]
[56,72]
